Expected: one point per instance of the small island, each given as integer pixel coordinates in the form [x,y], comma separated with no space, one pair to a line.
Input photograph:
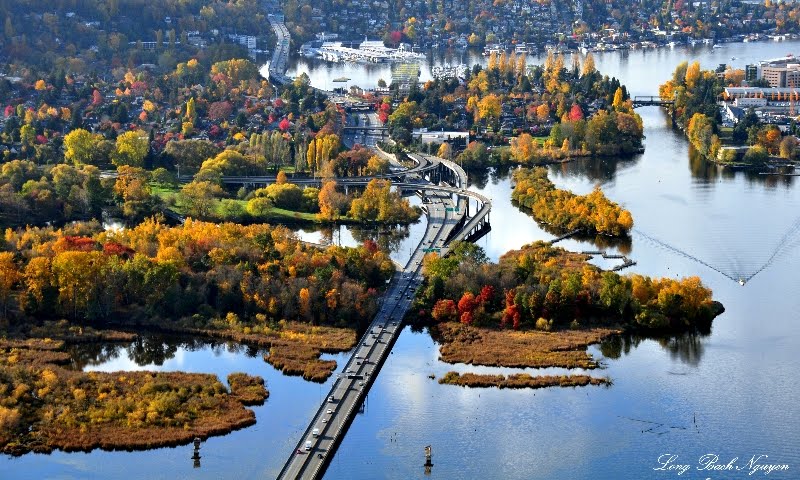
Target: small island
[48,406]
[541,306]
[520,380]
[591,214]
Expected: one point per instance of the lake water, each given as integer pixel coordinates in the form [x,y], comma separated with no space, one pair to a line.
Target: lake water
[732,393]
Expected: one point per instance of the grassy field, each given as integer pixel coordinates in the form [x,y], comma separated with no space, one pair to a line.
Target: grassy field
[520,380]
[513,348]
[725,133]
[275,213]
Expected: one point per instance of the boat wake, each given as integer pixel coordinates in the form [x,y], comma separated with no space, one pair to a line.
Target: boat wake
[734,268]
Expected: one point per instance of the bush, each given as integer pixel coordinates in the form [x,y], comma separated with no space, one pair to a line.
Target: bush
[259,207]
[231,210]
[544,325]
[756,155]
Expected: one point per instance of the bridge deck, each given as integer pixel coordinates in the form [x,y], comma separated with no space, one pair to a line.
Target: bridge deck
[333,418]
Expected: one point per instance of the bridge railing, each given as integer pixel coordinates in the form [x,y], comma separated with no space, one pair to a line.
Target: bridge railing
[651,100]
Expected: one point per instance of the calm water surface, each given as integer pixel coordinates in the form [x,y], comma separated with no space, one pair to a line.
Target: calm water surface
[732,393]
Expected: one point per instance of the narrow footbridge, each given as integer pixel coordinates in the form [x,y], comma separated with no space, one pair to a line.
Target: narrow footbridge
[656,101]
[651,100]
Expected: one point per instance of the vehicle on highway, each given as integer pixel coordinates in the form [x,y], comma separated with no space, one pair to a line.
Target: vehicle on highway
[329,412]
[315,432]
[308,445]
[331,399]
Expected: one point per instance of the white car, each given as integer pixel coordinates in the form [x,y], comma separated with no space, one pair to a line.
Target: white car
[329,412]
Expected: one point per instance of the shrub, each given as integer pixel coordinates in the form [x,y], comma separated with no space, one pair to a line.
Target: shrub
[544,324]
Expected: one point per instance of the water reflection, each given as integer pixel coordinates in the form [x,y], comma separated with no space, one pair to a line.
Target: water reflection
[479,178]
[702,169]
[597,170]
[91,354]
[388,238]
[152,350]
[688,348]
[709,172]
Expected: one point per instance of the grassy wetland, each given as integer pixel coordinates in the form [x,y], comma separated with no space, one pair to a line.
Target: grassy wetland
[541,307]
[45,406]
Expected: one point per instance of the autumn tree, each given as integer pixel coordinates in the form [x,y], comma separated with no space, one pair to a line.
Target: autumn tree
[543,112]
[200,198]
[444,310]
[377,165]
[489,108]
[331,202]
[131,148]
[281,178]
[588,65]
[380,203]
[259,207]
[788,147]
[619,100]
[190,154]
[9,275]
[466,307]
[445,151]
[523,148]
[79,146]
[191,110]
[76,273]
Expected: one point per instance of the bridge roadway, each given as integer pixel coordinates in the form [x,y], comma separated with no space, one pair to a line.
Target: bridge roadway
[280,57]
[350,389]
[366,137]
[445,220]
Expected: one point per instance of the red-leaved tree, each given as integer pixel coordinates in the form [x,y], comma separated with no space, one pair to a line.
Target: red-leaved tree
[575,113]
[444,311]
